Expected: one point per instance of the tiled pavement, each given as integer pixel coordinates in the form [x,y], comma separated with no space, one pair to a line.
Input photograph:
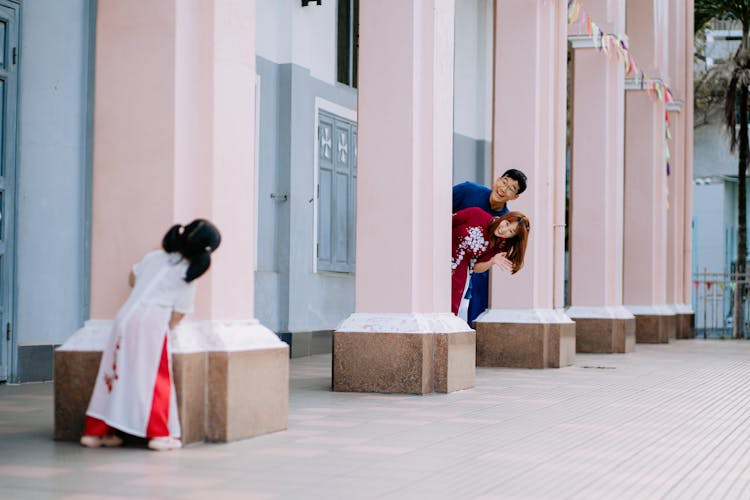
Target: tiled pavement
[667,421]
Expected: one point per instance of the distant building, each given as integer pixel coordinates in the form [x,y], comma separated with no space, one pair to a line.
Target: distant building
[714,191]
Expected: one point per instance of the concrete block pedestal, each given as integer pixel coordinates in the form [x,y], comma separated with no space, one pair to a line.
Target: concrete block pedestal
[231,379]
[532,338]
[654,324]
[603,329]
[684,321]
[403,353]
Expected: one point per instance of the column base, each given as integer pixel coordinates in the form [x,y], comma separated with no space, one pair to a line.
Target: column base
[532,338]
[653,324]
[603,330]
[231,379]
[685,321]
[403,353]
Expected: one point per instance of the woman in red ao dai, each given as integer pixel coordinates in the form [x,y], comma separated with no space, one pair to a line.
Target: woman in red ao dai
[481,240]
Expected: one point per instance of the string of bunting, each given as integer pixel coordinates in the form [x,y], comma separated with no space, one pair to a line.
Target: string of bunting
[615,46]
[708,284]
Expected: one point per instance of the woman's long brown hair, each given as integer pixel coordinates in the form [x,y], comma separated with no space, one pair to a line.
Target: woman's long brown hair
[514,247]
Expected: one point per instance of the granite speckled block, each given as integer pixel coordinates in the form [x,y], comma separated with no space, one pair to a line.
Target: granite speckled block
[247,393]
[562,344]
[605,335]
[190,372]
[512,345]
[685,328]
[454,364]
[75,374]
[654,328]
[403,363]
[525,345]
[382,362]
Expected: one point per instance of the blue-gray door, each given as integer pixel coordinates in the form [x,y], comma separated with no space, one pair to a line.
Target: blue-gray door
[337,191]
[8,94]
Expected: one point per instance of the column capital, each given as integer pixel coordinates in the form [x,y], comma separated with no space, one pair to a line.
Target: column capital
[676,106]
[403,323]
[639,84]
[537,316]
[605,312]
[579,41]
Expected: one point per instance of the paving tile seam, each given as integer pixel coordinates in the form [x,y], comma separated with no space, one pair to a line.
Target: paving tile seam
[667,436]
[688,477]
[574,439]
[573,418]
[653,398]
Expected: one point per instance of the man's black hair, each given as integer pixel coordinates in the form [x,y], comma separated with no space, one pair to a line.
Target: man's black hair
[517,176]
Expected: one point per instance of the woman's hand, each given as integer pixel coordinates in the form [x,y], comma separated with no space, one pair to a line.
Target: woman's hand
[498,260]
[501,261]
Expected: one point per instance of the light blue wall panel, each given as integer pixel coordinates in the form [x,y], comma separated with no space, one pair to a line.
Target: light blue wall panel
[472,160]
[317,301]
[53,177]
[272,273]
[289,296]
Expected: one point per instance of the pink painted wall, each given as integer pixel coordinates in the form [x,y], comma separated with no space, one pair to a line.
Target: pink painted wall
[645,256]
[133,171]
[645,202]
[647,26]
[529,134]
[405,124]
[232,160]
[676,181]
[608,14]
[675,213]
[174,140]
[687,242]
[597,180]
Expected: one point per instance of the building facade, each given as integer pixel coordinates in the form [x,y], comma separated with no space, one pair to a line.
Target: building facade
[325,149]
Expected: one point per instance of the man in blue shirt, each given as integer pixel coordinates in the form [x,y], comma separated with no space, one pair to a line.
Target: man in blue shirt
[494,201]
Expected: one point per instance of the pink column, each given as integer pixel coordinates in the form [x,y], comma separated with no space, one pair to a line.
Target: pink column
[679,276]
[676,215]
[525,325]
[401,335]
[597,131]
[174,140]
[645,264]
[686,319]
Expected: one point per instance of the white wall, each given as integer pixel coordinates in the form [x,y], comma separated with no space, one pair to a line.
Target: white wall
[273,35]
[711,223]
[52,273]
[472,109]
[711,154]
[305,36]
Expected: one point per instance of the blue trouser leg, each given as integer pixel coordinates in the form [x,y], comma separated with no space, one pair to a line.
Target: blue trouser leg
[479,295]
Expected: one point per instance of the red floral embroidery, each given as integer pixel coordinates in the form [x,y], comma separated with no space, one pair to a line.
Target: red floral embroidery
[109,379]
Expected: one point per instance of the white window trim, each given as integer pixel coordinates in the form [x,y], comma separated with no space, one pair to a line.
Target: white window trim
[343,112]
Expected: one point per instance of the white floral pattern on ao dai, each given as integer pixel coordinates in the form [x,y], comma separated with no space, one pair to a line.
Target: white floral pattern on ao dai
[474,242]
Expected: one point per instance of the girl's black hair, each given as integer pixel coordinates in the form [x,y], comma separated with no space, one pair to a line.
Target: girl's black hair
[194,242]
